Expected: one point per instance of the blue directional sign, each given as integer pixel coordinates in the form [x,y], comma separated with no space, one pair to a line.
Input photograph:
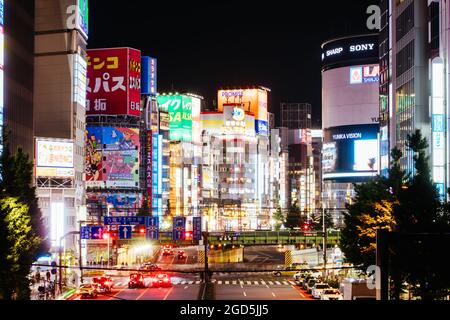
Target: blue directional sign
[125,232]
[152,224]
[124,221]
[179,228]
[91,233]
[197,228]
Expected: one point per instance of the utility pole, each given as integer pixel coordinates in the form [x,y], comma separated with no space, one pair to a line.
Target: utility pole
[205,239]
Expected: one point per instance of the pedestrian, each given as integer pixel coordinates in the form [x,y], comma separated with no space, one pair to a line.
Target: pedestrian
[48,275]
[38,277]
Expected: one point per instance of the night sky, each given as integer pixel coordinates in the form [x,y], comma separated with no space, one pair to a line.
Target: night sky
[202,47]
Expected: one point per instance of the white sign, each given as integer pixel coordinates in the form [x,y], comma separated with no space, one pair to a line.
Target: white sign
[54,154]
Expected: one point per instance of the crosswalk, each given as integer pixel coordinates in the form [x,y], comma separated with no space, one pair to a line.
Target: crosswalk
[230,283]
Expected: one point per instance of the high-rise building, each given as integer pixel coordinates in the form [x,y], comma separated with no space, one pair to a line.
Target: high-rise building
[350,112]
[61,34]
[414,92]
[16,70]
[296,115]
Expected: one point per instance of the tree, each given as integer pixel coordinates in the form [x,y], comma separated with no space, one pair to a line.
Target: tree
[19,244]
[317,220]
[294,218]
[19,209]
[279,218]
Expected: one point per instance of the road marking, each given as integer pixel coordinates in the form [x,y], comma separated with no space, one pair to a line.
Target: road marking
[245,294]
[292,283]
[198,282]
[191,282]
[140,296]
[263,282]
[234,282]
[165,298]
[271,283]
[186,287]
[249,283]
[219,282]
[274,295]
[114,297]
[299,292]
[183,282]
[256,283]
[285,283]
[227,282]
[278,283]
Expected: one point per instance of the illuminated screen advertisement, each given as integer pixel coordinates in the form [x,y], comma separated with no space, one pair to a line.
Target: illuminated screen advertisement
[116,201]
[2,13]
[83,17]
[54,158]
[351,152]
[149,76]
[254,101]
[365,74]
[179,108]
[112,156]
[114,82]
[2,45]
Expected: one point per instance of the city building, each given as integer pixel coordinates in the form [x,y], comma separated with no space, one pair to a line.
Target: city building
[296,115]
[414,92]
[237,190]
[16,70]
[181,152]
[350,112]
[59,112]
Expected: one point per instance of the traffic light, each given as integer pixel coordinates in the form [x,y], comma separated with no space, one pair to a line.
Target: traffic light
[106,236]
[54,271]
[141,230]
[306,227]
[188,235]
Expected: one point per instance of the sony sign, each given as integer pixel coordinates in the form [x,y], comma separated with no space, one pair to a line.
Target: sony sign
[362,47]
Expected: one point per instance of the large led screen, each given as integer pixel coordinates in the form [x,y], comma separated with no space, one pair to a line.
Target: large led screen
[351,152]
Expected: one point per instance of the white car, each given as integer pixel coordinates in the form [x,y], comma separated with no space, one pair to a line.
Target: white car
[331,294]
[318,288]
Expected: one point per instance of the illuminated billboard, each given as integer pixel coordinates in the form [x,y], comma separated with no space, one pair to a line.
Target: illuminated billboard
[179,108]
[114,82]
[83,17]
[2,13]
[112,157]
[116,201]
[54,158]
[254,101]
[365,74]
[2,45]
[149,76]
[351,152]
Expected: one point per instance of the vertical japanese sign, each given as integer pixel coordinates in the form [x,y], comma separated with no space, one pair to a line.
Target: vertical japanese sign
[197,228]
[152,228]
[149,76]
[179,228]
[114,82]
[180,110]
[149,169]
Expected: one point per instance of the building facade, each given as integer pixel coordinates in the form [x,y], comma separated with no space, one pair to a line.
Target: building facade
[350,112]
[61,34]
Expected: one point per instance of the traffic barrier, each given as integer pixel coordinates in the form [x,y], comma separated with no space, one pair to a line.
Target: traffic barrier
[288,258]
[201,256]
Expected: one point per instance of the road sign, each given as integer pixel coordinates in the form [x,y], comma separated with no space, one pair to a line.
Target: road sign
[179,228]
[91,233]
[124,221]
[197,228]
[125,232]
[152,224]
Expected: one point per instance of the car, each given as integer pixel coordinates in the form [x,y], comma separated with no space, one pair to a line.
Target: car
[160,280]
[104,283]
[300,276]
[287,271]
[87,290]
[331,294]
[316,291]
[167,250]
[136,281]
[306,280]
[181,255]
[149,267]
[310,285]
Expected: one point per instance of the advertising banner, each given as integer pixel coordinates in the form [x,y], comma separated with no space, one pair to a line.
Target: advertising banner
[180,111]
[149,76]
[351,152]
[120,139]
[254,101]
[114,82]
[54,159]
[179,228]
[94,155]
[197,228]
[121,168]
[116,201]
[83,17]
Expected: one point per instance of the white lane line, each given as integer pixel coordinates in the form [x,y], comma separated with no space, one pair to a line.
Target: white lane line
[263,282]
[292,283]
[219,282]
[278,283]
[227,282]
[285,283]
[245,294]
[274,295]
[191,282]
[186,287]
[183,282]
[234,282]
[198,282]
[256,283]
[249,283]
[165,298]
[140,296]
[299,292]
[271,283]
